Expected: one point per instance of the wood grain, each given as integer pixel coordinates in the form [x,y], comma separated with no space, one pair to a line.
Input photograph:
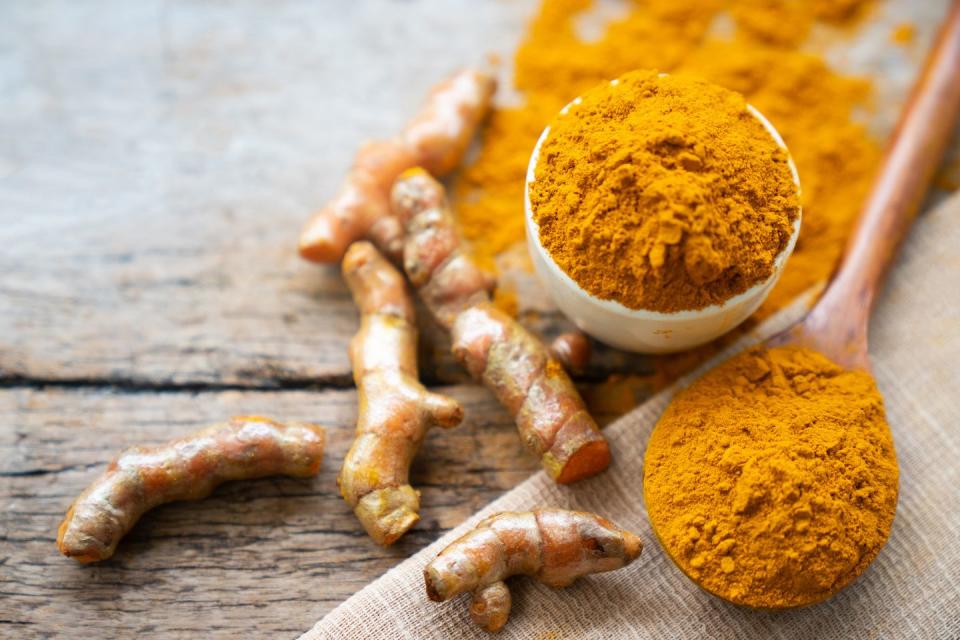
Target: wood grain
[262,558]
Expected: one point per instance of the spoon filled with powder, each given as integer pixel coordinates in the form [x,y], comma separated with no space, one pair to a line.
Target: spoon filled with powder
[772,480]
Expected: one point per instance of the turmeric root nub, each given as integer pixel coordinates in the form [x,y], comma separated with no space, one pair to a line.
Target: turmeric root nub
[573,350]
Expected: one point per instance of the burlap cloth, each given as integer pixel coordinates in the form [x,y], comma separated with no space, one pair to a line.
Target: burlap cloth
[912,590]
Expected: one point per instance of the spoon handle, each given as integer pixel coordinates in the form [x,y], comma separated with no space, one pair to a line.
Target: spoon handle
[912,156]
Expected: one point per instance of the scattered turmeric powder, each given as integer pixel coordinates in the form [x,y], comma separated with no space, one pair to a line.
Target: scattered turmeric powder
[524,375]
[903,34]
[554,546]
[810,104]
[506,300]
[772,480]
[787,22]
[947,177]
[189,468]
[395,409]
[663,192]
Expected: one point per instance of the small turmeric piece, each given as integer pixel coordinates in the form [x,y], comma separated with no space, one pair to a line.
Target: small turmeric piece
[573,350]
[436,138]
[395,409]
[188,468]
[526,378]
[554,546]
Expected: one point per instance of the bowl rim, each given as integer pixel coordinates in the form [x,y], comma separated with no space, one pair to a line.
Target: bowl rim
[615,307]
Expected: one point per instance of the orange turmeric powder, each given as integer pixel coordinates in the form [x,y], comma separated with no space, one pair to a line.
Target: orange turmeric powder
[663,192]
[772,480]
[810,104]
[903,34]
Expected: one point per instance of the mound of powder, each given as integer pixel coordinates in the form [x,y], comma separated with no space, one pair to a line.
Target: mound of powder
[772,480]
[663,193]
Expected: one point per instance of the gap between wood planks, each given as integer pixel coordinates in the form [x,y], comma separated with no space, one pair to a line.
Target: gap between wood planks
[145,385]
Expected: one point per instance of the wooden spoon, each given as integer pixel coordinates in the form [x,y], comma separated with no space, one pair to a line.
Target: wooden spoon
[837,324]
[687,468]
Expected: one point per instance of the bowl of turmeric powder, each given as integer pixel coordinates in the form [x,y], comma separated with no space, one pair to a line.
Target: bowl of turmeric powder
[660,211]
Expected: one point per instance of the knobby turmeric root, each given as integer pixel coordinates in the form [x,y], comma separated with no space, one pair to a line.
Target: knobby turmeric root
[436,139]
[554,546]
[188,468]
[527,379]
[573,350]
[395,409]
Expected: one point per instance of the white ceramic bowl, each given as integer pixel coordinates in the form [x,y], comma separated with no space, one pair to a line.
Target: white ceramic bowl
[638,329]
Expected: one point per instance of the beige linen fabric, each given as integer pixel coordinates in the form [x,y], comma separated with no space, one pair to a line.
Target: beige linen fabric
[912,590]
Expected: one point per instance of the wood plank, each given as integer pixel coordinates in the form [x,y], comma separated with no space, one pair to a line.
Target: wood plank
[263,558]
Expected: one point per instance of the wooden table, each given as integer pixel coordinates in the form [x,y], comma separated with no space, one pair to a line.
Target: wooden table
[157,160]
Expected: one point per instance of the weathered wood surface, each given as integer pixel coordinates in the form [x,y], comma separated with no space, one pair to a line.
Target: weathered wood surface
[157,159]
[260,559]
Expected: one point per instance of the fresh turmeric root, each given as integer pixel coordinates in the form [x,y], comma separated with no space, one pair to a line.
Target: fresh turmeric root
[395,409]
[554,546]
[524,375]
[189,468]
[436,139]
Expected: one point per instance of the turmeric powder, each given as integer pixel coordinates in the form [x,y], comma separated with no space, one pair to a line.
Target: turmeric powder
[903,34]
[772,480]
[663,193]
[810,104]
